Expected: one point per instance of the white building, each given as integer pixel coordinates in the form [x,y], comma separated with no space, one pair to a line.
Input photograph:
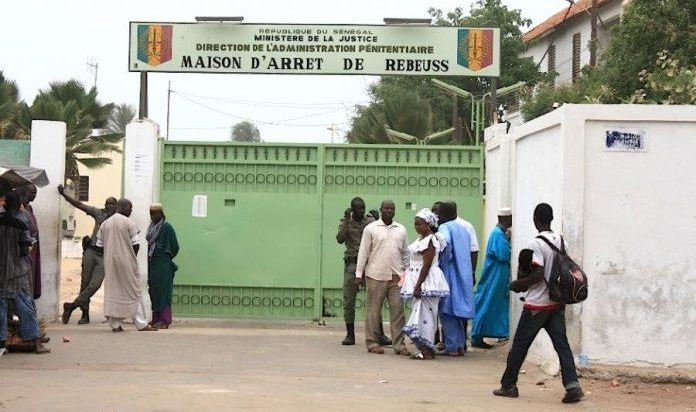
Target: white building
[561,44]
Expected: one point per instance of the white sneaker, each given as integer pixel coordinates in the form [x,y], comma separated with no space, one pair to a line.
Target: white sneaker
[2,350]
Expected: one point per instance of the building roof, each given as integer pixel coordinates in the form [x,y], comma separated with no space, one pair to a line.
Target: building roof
[549,25]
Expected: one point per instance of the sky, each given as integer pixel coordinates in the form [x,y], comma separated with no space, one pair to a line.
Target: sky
[44,41]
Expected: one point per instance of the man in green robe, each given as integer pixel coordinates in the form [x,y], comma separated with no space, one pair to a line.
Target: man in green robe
[162,247]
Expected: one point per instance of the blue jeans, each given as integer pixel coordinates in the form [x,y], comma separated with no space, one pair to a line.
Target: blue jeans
[529,326]
[28,324]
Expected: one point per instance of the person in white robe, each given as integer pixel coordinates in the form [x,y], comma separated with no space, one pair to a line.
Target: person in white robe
[123,297]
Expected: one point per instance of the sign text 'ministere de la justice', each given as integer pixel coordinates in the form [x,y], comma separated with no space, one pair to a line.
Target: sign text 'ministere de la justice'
[314,49]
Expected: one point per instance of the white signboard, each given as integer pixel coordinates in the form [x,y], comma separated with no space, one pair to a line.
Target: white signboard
[314,49]
[199,207]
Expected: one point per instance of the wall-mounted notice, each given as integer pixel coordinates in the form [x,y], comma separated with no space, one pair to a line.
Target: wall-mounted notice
[625,140]
[142,165]
[200,206]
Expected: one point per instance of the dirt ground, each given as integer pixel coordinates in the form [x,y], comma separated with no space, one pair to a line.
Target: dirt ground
[69,279]
[617,394]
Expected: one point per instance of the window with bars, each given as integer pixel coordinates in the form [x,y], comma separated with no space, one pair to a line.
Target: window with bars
[551,68]
[576,56]
[83,189]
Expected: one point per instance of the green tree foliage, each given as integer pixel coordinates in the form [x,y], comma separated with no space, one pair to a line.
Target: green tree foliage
[405,104]
[84,117]
[120,117]
[544,97]
[628,71]
[9,109]
[648,26]
[245,132]
[429,106]
[668,82]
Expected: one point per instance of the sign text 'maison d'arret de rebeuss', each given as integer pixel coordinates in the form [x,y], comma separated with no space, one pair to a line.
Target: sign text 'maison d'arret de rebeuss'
[314,49]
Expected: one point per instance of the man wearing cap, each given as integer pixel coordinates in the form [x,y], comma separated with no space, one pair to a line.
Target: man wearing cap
[162,247]
[92,258]
[492,297]
[120,239]
[539,312]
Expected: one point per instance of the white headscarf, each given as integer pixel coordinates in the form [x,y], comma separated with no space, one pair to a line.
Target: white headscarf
[428,216]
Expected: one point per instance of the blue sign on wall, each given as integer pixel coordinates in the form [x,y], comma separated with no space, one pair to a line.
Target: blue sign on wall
[625,141]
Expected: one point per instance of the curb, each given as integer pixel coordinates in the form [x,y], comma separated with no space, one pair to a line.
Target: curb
[645,375]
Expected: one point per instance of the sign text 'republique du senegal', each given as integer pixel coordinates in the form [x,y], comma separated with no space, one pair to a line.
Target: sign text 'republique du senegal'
[314,49]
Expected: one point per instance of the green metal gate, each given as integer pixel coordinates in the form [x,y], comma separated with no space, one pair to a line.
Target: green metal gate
[267,247]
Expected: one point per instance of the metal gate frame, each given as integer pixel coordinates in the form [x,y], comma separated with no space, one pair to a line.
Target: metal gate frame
[267,247]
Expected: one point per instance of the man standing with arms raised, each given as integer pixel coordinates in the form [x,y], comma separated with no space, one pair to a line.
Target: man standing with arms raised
[92,259]
[382,258]
[349,233]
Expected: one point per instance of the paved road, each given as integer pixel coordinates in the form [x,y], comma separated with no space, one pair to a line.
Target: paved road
[210,365]
[230,365]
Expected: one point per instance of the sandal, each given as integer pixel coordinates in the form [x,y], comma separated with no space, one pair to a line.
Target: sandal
[459,352]
[148,328]
[423,355]
[481,345]
[118,329]
[159,325]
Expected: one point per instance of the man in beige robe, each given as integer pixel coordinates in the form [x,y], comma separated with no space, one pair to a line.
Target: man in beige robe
[120,239]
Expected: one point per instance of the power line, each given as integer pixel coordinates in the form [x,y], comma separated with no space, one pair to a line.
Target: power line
[323,125]
[264,103]
[276,123]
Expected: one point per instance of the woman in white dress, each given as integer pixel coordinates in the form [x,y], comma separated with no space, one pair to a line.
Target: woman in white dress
[425,283]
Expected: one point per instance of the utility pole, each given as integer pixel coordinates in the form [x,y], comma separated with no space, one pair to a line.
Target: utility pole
[494,100]
[93,64]
[456,121]
[593,34]
[333,129]
[142,112]
[169,95]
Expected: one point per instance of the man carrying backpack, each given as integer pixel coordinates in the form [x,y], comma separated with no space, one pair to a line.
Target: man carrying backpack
[540,312]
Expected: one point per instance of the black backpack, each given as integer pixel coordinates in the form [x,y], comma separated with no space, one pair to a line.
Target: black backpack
[567,282]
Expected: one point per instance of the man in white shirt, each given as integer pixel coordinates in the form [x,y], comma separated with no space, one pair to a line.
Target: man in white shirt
[540,312]
[382,258]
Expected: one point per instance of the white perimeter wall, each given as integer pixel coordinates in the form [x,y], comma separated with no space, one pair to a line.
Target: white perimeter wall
[627,219]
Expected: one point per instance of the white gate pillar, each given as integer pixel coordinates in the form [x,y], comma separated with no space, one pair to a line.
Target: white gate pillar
[48,153]
[141,183]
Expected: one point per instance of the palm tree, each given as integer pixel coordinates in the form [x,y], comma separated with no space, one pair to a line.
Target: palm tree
[9,107]
[406,112]
[245,132]
[120,117]
[69,102]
